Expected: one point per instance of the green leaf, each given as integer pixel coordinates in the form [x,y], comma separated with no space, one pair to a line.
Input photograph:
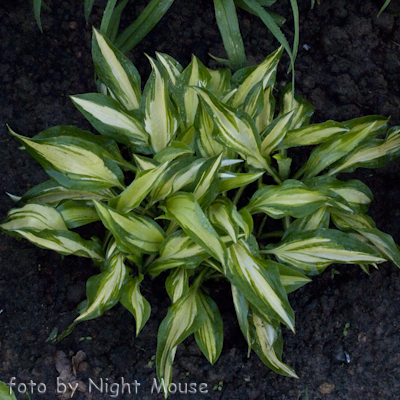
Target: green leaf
[184,209]
[313,251]
[266,342]
[260,283]
[103,291]
[77,213]
[184,317]
[88,5]
[116,72]
[107,14]
[6,393]
[135,303]
[37,217]
[178,249]
[63,242]
[373,154]
[37,7]
[74,163]
[146,21]
[134,194]
[131,232]
[209,337]
[292,198]
[160,120]
[313,134]
[177,283]
[108,117]
[52,193]
[228,25]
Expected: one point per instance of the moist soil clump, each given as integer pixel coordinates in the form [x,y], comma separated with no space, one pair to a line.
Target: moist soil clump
[347,323]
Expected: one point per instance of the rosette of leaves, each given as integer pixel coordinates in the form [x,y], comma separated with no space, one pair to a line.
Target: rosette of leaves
[205,178]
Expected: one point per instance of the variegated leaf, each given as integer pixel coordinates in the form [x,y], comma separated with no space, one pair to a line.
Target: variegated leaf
[254,103]
[37,217]
[77,213]
[184,209]
[225,217]
[134,194]
[178,249]
[334,149]
[209,337]
[275,133]
[248,222]
[220,83]
[230,180]
[265,73]
[103,291]
[116,72]
[242,311]
[384,243]
[347,222]
[184,317]
[195,74]
[267,113]
[51,192]
[174,150]
[134,302]
[235,129]
[303,110]
[291,278]
[177,283]
[267,343]
[313,134]
[108,117]
[131,232]
[171,66]
[160,120]
[73,163]
[373,154]
[260,283]
[144,163]
[313,251]
[291,198]
[63,242]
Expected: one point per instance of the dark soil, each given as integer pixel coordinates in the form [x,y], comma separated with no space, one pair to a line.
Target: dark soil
[348,66]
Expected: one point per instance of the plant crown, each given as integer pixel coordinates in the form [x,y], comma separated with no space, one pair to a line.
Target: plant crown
[208,174]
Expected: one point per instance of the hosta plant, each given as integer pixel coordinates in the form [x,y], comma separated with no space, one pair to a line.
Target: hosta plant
[192,179]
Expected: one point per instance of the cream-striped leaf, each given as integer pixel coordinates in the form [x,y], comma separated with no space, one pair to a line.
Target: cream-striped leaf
[103,291]
[132,232]
[291,278]
[267,343]
[346,222]
[160,120]
[77,213]
[184,317]
[275,133]
[373,154]
[334,149]
[63,242]
[242,311]
[231,180]
[313,251]
[37,217]
[313,134]
[116,72]
[177,283]
[73,164]
[134,302]
[291,198]
[108,117]
[265,117]
[134,194]
[171,66]
[174,150]
[178,249]
[209,337]
[50,192]
[259,281]
[220,83]
[236,129]
[265,73]
[183,208]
